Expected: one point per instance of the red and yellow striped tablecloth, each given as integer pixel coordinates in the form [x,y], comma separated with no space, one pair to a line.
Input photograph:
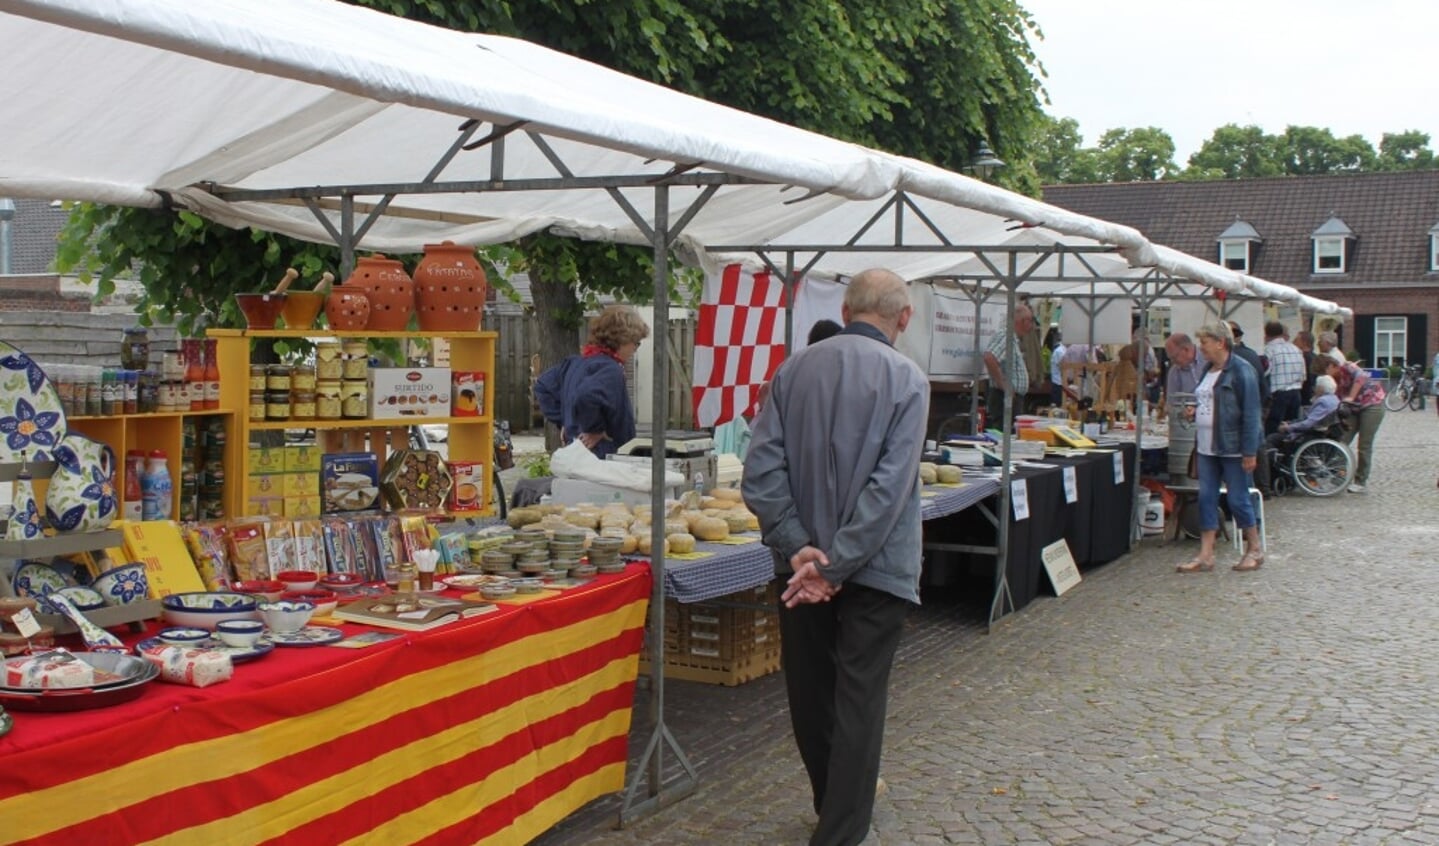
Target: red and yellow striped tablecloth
[490,730]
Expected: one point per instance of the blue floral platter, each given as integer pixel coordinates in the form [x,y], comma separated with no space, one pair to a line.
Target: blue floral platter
[209,601]
[32,420]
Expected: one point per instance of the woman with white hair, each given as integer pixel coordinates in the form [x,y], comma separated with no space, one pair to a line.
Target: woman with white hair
[1326,403]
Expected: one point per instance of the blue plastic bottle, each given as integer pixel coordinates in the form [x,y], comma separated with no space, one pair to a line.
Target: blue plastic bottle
[156,488]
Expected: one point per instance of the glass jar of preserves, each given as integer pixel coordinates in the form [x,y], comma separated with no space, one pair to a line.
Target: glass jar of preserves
[135,349]
[302,378]
[327,400]
[257,406]
[328,365]
[303,405]
[354,399]
[356,363]
[277,405]
[277,377]
[257,377]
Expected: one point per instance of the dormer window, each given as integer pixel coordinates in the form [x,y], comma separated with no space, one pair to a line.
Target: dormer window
[1434,248]
[1331,246]
[1237,245]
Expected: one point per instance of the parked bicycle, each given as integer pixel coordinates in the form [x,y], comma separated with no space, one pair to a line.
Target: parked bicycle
[1406,392]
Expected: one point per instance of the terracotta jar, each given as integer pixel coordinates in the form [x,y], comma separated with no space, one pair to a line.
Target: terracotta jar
[389,289]
[449,289]
[347,309]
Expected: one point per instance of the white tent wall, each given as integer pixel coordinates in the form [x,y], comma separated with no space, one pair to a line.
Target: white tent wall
[304,117]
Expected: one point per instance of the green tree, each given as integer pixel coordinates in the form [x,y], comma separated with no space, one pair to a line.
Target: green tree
[924,78]
[1407,150]
[1237,152]
[1311,150]
[1059,157]
[1145,154]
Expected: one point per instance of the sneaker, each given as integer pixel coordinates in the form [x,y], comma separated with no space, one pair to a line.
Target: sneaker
[1356,488]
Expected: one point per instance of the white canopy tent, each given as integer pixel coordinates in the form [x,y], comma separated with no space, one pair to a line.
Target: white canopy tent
[335,123]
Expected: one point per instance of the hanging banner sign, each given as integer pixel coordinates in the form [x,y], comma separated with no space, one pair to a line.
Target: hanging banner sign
[953,351]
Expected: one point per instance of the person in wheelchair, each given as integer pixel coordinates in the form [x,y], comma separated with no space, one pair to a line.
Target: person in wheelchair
[1321,414]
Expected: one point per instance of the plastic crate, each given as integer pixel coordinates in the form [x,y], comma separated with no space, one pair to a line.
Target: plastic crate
[726,642]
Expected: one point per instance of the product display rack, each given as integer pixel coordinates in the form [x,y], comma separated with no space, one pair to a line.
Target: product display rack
[470,438]
[44,549]
[159,430]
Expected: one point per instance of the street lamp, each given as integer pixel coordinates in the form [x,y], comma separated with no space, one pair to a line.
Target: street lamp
[985,163]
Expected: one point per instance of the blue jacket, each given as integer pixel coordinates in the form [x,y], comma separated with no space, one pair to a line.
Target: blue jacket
[587,394]
[1237,411]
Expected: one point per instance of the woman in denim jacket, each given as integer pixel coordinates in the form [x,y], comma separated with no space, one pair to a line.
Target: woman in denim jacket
[1227,438]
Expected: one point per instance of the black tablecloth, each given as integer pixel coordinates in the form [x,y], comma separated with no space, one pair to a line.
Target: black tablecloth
[1096,527]
[1027,538]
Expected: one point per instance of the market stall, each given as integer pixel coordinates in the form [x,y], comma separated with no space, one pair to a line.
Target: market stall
[339,124]
[496,727]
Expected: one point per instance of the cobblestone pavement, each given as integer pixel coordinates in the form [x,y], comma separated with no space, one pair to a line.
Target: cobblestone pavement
[1292,705]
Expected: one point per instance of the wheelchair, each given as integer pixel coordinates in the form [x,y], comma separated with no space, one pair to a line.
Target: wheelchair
[1317,462]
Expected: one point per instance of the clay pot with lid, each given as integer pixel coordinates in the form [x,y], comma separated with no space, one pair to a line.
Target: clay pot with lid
[450,289]
[347,309]
[389,289]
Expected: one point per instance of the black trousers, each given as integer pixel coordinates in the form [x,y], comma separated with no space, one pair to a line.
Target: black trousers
[1283,407]
[837,656]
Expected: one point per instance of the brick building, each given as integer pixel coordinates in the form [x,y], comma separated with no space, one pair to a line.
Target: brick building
[1366,241]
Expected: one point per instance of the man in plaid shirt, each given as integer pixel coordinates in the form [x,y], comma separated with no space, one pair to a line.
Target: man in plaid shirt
[1285,375]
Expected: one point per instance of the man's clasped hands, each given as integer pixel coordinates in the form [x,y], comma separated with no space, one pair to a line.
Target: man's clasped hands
[807,586]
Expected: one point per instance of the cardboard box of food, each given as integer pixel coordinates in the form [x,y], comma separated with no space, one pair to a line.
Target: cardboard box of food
[301,484]
[409,392]
[265,460]
[469,393]
[349,481]
[272,485]
[302,506]
[265,505]
[303,459]
[469,485]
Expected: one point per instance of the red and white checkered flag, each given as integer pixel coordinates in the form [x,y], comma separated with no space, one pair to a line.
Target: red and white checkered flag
[739,342]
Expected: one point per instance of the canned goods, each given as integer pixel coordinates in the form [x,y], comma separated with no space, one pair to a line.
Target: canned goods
[328,365]
[257,377]
[354,400]
[327,400]
[277,378]
[257,406]
[302,378]
[277,405]
[303,405]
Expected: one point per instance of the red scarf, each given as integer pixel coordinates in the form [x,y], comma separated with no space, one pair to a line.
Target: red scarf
[595,349]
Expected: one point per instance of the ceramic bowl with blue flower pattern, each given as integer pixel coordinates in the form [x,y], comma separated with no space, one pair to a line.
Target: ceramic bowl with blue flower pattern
[203,609]
[123,585]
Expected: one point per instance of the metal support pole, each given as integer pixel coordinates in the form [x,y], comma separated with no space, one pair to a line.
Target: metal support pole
[651,768]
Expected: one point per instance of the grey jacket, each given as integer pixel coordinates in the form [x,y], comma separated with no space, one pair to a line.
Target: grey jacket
[834,461]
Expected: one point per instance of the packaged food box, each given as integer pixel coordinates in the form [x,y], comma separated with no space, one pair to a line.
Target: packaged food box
[303,459]
[468,487]
[349,481]
[468,393]
[409,392]
[270,485]
[302,506]
[265,505]
[300,484]
[416,479]
[265,460]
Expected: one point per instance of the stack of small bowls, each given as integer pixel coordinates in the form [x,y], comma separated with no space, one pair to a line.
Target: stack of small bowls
[566,548]
[497,563]
[604,557]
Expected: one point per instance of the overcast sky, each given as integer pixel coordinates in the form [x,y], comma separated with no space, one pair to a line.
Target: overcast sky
[1189,67]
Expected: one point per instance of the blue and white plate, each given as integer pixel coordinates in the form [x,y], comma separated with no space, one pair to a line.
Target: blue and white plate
[308,636]
[238,654]
[32,420]
[37,580]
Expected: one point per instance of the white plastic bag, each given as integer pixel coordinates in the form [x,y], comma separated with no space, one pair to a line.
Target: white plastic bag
[575,461]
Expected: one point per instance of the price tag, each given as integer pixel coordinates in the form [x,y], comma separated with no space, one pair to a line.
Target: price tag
[26,623]
[1119,468]
[1019,495]
[1071,485]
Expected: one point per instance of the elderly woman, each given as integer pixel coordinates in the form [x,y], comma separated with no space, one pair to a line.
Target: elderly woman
[1226,438]
[1325,404]
[1356,387]
[585,394]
